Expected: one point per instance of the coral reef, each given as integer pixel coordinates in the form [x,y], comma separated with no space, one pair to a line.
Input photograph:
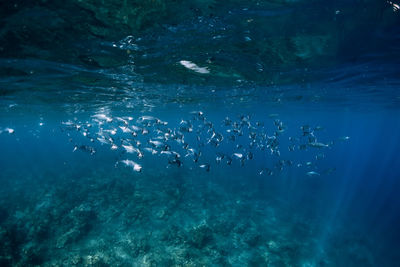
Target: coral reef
[108,217]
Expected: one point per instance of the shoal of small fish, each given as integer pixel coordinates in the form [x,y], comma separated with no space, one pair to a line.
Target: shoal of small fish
[232,141]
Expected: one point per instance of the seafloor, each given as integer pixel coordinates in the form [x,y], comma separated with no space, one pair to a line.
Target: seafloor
[104,217]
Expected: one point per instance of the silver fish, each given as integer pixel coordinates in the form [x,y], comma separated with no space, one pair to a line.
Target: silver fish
[318,145]
[130,163]
[205,166]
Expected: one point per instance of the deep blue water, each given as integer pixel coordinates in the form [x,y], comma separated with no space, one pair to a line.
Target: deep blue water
[169,133]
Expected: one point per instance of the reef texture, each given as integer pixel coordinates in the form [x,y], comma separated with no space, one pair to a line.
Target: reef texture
[106,218]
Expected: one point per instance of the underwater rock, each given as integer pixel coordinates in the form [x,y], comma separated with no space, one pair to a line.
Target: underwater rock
[67,237]
[5,254]
[94,260]
[223,227]
[252,238]
[241,227]
[141,246]
[32,255]
[3,215]
[273,246]
[161,214]
[81,219]
[173,235]
[75,260]
[200,236]
[157,259]
[258,259]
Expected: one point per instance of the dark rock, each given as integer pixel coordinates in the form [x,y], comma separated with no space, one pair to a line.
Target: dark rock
[200,236]
[257,260]
[252,238]
[32,256]
[3,215]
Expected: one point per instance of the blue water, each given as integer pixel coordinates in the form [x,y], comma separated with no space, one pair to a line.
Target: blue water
[278,138]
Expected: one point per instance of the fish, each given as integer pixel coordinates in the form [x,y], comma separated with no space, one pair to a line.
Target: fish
[275,152]
[162,122]
[156,143]
[192,66]
[205,166]
[147,118]
[185,126]
[131,149]
[86,148]
[180,141]
[125,129]
[199,133]
[111,131]
[193,153]
[227,121]
[313,173]
[237,155]
[228,160]
[318,145]
[130,163]
[145,131]
[102,117]
[175,161]
[114,147]
[169,153]
[150,150]
[198,115]
[344,138]
[280,126]
[7,130]
[266,171]
[124,121]
[185,146]
[306,130]
[103,139]
[209,124]
[135,128]
[302,147]
[252,135]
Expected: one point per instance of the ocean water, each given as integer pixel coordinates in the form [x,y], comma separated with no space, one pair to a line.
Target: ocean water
[202,133]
